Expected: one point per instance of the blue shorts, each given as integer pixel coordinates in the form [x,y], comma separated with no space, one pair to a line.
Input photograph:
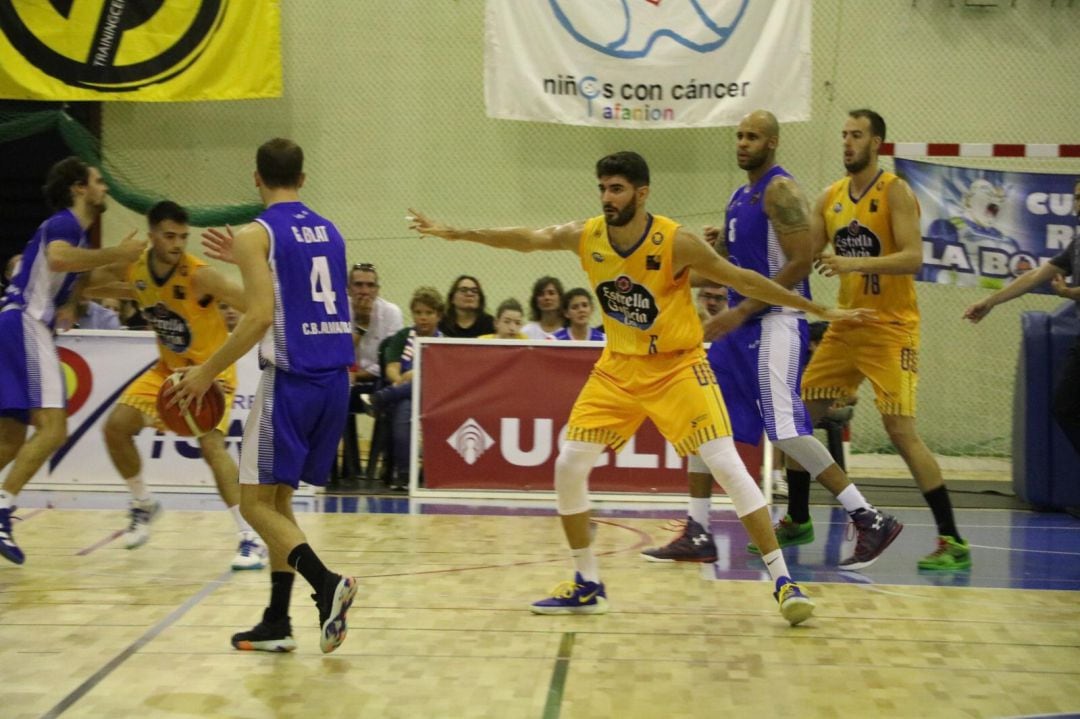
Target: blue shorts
[292,432]
[759,367]
[30,372]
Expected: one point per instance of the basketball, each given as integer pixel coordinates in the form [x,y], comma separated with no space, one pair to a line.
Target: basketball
[191,423]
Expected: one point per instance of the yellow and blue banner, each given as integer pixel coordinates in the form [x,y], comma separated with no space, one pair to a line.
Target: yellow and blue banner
[140,50]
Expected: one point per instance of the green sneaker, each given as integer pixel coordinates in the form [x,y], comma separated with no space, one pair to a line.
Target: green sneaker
[789,533]
[949,555]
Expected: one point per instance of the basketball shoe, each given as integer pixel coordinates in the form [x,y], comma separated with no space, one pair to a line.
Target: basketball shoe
[266,636]
[950,555]
[694,545]
[795,606]
[251,553]
[789,533]
[875,531]
[8,548]
[333,602]
[576,597]
[140,515]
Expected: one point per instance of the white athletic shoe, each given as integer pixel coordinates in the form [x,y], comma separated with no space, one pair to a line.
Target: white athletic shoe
[251,553]
[140,515]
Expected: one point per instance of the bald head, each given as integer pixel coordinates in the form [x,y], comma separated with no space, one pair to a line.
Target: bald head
[764,122]
[756,138]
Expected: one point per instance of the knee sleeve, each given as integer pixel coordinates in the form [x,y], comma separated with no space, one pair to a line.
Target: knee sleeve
[720,456]
[807,451]
[694,465]
[572,467]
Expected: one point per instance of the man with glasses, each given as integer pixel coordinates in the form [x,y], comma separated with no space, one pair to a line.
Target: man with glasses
[374,319]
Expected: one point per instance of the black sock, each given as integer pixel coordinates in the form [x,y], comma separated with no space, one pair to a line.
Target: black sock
[304,560]
[938,500]
[280,594]
[798,495]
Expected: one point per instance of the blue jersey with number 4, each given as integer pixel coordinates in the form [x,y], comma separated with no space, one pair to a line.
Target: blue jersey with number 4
[312,330]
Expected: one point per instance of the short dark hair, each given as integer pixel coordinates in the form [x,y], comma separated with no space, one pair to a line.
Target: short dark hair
[280,163]
[877,122]
[573,292]
[508,305]
[166,210]
[538,287]
[428,297]
[65,173]
[628,164]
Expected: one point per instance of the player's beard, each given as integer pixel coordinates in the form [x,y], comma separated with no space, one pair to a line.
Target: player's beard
[754,162]
[858,162]
[623,216]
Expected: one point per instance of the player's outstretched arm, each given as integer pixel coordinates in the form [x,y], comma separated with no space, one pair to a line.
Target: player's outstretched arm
[522,239]
[1021,285]
[692,252]
[208,281]
[218,244]
[109,282]
[63,256]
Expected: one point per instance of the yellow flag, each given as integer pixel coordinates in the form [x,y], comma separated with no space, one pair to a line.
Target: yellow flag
[139,50]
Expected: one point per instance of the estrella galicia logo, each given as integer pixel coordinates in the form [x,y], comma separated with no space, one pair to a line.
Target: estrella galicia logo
[855,240]
[627,302]
[701,26]
[171,329]
[112,45]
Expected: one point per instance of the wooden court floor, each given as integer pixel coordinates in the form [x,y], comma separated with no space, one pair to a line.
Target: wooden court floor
[441,629]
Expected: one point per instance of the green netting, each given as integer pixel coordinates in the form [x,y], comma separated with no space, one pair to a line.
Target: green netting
[82,143]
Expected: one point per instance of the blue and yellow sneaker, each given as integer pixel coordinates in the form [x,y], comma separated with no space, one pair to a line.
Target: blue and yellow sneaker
[794,605]
[8,549]
[576,597]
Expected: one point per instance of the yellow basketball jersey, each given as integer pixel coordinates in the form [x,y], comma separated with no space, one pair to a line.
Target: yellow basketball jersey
[646,309]
[189,328]
[860,227]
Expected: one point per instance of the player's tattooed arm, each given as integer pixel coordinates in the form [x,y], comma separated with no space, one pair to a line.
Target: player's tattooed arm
[787,207]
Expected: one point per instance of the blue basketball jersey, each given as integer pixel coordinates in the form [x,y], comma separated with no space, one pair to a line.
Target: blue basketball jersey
[312,330]
[35,289]
[752,243]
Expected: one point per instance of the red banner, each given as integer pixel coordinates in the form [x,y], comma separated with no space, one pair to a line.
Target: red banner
[492,417]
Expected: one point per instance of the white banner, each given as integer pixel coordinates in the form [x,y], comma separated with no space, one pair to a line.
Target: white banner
[98,366]
[647,64]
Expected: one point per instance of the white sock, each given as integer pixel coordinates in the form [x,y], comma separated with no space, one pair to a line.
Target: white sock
[585,563]
[778,476]
[699,510]
[138,488]
[7,500]
[241,524]
[852,499]
[774,562]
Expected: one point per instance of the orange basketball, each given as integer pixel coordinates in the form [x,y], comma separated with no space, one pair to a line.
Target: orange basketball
[191,422]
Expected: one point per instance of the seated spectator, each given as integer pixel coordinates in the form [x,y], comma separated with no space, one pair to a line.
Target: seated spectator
[577,308]
[131,317]
[545,309]
[711,299]
[508,319]
[465,310]
[90,315]
[230,314]
[374,319]
[396,399]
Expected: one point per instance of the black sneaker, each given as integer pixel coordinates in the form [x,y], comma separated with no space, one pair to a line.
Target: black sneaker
[266,637]
[875,531]
[695,545]
[333,602]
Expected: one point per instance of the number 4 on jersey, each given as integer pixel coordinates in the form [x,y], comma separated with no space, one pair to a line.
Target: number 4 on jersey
[322,289]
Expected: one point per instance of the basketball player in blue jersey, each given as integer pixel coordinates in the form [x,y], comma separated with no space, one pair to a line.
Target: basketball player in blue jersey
[292,262]
[759,351]
[32,387]
[653,364]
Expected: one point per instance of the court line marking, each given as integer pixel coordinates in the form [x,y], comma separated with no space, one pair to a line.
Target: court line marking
[99,544]
[83,689]
[553,706]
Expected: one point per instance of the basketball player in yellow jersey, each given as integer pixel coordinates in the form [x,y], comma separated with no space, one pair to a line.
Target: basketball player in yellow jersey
[178,293]
[652,366]
[871,218]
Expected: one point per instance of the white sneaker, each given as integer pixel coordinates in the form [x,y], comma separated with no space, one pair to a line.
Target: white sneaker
[140,515]
[251,553]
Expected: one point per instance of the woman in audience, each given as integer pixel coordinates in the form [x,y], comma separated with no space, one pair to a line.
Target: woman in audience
[427,310]
[577,308]
[545,308]
[508,319]
[465,313]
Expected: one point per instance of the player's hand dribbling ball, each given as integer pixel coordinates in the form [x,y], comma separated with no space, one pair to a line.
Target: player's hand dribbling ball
[194,421]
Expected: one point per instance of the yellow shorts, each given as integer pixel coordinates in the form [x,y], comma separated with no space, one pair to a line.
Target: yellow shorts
[143,392]
[887,355]
[676,390]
